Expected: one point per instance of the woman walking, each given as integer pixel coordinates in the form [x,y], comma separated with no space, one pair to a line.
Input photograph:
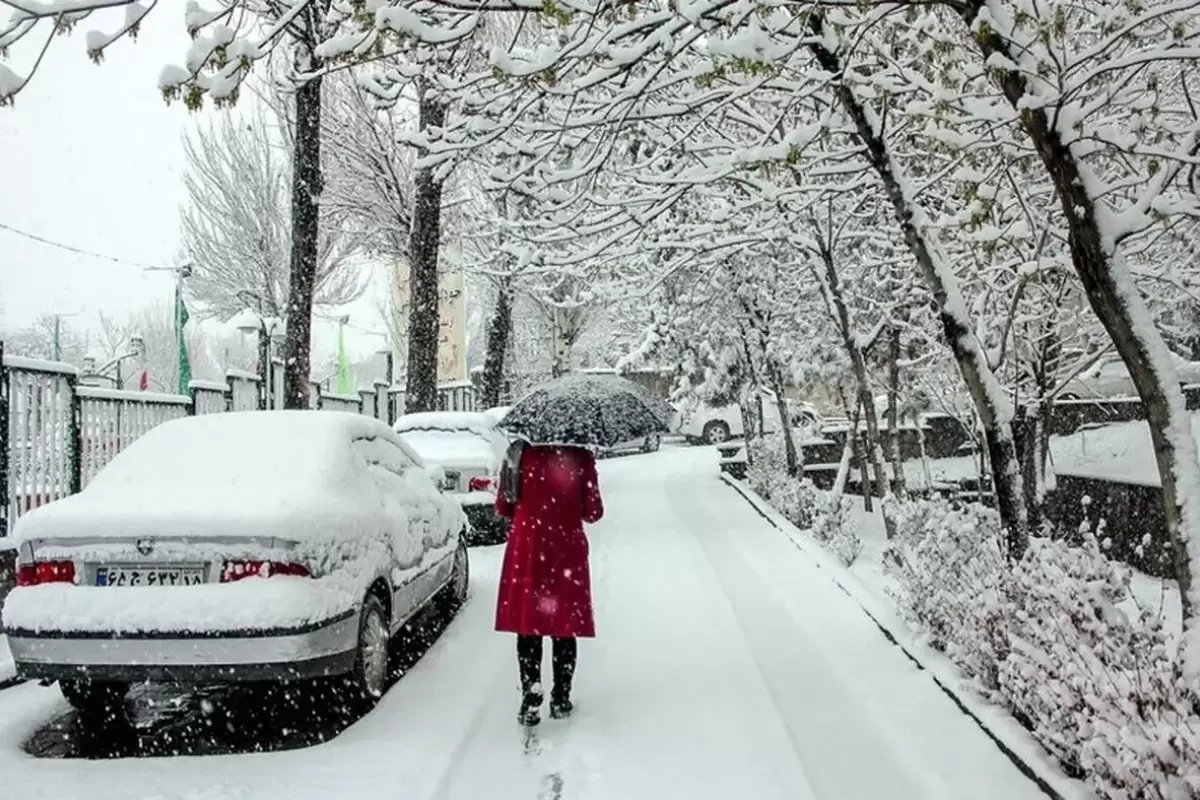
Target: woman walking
[545,585]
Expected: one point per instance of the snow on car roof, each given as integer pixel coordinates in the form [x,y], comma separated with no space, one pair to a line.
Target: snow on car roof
[303,446]
[261,471]
[451,447]
[445,420]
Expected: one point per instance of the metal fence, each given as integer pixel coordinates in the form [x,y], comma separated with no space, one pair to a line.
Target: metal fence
[58,433]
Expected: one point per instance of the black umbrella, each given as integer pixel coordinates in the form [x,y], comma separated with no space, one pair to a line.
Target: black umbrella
[587,410]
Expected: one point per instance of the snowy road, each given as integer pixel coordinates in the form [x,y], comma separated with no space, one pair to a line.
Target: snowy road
[726,665]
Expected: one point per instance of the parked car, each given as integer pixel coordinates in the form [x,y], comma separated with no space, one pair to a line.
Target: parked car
[469,449]
[716,424]
[1109,378]
[249,546]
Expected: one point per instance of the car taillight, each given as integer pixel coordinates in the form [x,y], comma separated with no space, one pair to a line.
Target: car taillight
[46,572]
[236,570]
[480,484]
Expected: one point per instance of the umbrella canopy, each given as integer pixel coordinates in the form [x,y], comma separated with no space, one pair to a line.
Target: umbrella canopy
[587,410]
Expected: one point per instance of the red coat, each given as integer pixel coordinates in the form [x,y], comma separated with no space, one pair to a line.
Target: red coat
[545,585]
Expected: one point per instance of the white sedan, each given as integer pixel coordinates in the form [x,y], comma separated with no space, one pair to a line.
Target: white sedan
[265,545]
[469,449]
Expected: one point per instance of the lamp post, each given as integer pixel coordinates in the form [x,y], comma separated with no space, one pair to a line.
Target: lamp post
[268,330]
[135,348]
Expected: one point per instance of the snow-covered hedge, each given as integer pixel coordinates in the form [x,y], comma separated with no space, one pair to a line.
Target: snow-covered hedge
[1051,639]
[802,503]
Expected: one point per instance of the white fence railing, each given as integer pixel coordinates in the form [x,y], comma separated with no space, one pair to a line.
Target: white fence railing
[58,432]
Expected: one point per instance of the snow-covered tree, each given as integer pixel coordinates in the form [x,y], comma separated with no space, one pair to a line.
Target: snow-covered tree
[236,226]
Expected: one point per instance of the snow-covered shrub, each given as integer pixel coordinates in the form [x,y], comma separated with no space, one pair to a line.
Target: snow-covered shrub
[802,503]
[1097,687]
[948,560]
[831,528]
[1047,638]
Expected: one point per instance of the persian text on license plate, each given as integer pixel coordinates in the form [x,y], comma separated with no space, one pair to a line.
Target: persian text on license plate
[149,576]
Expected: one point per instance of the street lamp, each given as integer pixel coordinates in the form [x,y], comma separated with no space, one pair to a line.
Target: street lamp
[135,346]
[268,330]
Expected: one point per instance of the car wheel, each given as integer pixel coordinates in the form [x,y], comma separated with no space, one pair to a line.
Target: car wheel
[716,432]
[369,677]
[653,442]
[459,587]
[95,699]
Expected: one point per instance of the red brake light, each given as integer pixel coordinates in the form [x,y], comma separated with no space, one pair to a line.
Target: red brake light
[480,484]
[236,570]
[46,572]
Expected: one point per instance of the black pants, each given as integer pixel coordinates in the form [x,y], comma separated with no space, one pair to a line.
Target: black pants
[529,658]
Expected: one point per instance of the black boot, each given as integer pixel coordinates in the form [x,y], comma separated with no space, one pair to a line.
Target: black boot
[529,659]
[530,713]
[565,653]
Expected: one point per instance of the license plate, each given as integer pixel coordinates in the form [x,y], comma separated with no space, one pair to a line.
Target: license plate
[149,576]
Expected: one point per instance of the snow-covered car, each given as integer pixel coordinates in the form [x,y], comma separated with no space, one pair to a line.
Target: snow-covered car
[1110,378]
[496,414]
[249,546]
[717,424]
[469,449]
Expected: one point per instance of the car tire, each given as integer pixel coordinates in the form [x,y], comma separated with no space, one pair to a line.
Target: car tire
[454,595]
[368,678]
[95,699]
[716,432]
[653,442]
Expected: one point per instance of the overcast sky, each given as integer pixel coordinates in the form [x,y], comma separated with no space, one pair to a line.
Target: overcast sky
[91,157]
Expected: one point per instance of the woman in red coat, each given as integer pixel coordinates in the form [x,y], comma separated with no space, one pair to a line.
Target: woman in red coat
[545,585]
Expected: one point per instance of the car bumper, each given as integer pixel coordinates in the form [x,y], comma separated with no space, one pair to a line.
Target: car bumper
[326,648]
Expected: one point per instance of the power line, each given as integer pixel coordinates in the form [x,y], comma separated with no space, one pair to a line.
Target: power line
[78,251]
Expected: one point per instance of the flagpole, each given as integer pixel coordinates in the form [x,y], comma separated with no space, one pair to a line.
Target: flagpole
[183,376]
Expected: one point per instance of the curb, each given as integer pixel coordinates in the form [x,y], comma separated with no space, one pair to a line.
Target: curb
[1066,788]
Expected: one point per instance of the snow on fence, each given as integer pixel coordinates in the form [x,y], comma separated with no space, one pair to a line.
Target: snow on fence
[58,433]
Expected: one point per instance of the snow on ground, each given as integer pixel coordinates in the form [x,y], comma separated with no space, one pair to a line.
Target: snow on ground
[727,665]
[1118,452]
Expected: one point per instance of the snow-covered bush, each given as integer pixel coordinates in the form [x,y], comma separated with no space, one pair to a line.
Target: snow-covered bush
[831,527]
[1097,687]
[1047,638]
[802,503]
[948,561]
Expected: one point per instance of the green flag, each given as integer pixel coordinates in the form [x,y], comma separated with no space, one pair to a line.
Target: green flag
[185,365]
[343,373]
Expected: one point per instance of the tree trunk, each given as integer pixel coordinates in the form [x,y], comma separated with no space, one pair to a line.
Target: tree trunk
[843,473]
[774,376]
[1124,315]
[794,460]
[893,410]
[498,333]
[306,229]
[977,374]
[560,356]
[423,245]
[858,361]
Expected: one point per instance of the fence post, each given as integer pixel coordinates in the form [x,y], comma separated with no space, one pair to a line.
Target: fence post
[192,394]
[75,447]
[316,390]
[229,391]
[4,395]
